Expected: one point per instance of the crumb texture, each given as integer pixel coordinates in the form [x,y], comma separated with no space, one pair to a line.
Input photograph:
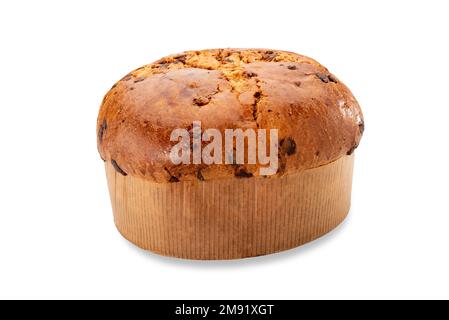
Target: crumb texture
[318,118]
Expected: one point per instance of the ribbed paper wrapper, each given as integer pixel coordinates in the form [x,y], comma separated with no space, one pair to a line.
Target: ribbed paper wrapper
[232,218]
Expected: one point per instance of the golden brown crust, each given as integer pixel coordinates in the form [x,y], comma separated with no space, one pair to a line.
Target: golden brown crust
[318,118]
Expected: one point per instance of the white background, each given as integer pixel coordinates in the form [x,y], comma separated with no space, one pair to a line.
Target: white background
[58,59]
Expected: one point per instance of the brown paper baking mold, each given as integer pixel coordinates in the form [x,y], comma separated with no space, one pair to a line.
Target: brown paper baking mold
[232,218]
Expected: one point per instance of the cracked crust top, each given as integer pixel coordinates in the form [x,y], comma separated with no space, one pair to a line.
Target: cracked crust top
[318,118]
